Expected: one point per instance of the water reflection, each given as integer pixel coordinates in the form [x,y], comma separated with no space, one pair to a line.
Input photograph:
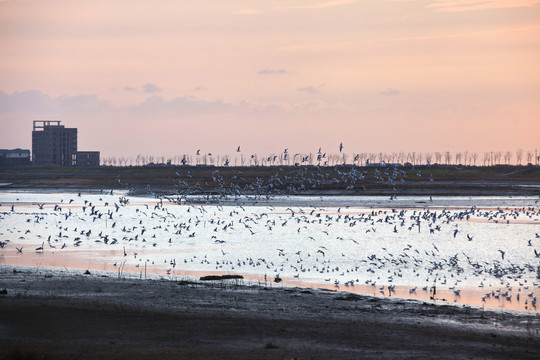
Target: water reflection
[481,255]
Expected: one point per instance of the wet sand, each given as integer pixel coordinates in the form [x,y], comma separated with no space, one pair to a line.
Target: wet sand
[67,314]
[102,260]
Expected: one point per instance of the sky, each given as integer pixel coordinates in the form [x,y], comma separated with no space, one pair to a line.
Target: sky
[168,77]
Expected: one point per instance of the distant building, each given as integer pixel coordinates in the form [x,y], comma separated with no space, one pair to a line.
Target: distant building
[14,158]
[87,158]
[53,144]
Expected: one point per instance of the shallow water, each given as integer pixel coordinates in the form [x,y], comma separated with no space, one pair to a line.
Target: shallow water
[472,250]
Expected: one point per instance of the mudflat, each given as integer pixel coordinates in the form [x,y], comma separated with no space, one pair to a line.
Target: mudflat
[274,180]
[52,314]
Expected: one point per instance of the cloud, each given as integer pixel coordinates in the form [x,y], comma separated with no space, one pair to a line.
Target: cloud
[156,106]
[129,88]
[36,104]
[390,92]
[32,104]
[151,88]
[311,89]
[272,72]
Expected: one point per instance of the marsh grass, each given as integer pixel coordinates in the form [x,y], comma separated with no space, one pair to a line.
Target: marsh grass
[270,345]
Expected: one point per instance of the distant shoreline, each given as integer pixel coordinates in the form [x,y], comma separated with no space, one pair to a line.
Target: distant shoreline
[339,180]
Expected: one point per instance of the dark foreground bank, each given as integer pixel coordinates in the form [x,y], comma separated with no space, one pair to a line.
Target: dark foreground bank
[436,180]
[67,315]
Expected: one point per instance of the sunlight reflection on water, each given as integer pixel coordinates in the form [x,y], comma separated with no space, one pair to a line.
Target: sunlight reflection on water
[472,250]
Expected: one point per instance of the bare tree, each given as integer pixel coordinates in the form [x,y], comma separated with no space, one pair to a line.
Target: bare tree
[530,156]
[438,157]
[507,157]
[447,157]
[486,158]
[519,156]
[458,158]
[409,157]
[429,156]
[401,157]
[344,158]
[474,156]
[371,158]
[497,156]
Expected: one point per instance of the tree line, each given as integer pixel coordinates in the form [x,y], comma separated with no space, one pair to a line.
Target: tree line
[466,158]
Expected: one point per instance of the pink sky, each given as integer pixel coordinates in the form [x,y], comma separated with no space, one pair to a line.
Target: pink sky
[170,77]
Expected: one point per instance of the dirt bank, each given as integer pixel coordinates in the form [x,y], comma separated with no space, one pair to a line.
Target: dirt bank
[349,180]
[67,314]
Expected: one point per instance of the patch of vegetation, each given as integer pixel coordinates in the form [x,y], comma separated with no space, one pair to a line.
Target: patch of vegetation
[270,345]
[220,277]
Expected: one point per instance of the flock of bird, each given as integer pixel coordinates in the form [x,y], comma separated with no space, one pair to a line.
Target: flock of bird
[293,182]
[425,248]
[298,181]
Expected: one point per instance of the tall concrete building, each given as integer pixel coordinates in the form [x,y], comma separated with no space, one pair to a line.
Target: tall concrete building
[53,144]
